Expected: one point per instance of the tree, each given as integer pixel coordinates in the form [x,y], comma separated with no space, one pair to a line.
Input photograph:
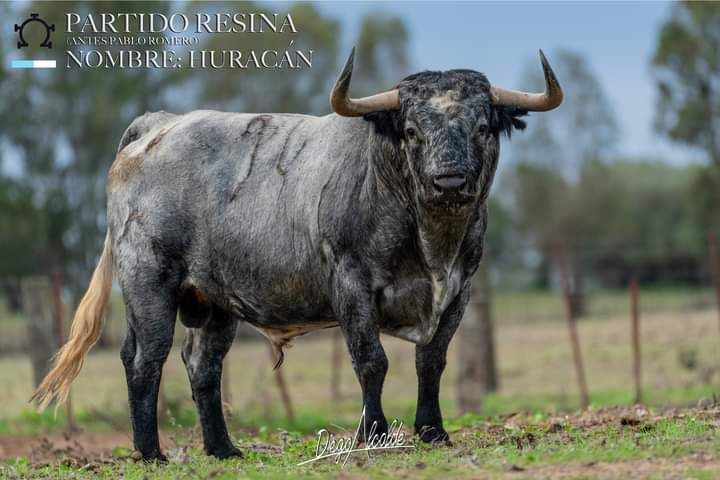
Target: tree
[687,70]
[478,374]
[549,162]
[382,60]
[650,231]
[382,51]
[268,90]
[60,129]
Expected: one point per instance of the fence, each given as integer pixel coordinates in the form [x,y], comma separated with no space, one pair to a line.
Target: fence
[37,329]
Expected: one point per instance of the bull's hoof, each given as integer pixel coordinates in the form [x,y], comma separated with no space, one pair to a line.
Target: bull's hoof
[224,453]
[381,427]
[434,435]
[151,457]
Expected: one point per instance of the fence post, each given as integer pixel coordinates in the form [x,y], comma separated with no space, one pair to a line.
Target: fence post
[714,267]
[335,364]
[57,287]
[477,375]
[635,321]
[36,296]
[225,392]
[282,387]
[560,257]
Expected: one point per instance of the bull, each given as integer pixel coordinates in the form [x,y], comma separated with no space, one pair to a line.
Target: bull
[371,219]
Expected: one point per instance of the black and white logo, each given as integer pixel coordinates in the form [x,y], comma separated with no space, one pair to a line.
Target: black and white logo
[34,17]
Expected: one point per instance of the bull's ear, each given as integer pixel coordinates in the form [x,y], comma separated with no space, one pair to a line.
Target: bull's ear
[507,119]
[387,124]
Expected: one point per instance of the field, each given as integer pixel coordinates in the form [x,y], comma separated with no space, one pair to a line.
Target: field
[530,428]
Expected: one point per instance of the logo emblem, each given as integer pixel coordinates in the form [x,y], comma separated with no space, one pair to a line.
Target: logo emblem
[34,17]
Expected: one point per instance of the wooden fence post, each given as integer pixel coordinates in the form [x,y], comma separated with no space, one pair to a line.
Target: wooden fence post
[282,387]
[477,373]
[225,392]
[57,287]
[560,256]
[42,342]
[335,365]
[715,267]
[635,320]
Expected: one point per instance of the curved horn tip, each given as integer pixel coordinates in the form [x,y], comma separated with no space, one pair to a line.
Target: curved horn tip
[545,63]
[542,55]
[550,99]
[345,106]
[349,63]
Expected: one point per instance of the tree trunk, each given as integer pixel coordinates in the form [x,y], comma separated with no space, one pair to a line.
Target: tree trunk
[13,294]
[478,373]
[38,309]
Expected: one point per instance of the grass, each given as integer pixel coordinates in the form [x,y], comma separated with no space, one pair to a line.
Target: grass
[530,445]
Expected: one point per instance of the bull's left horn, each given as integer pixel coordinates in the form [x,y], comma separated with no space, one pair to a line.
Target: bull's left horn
[345,106]
[551,98]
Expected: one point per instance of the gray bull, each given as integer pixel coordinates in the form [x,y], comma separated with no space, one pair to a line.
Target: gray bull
[371,219]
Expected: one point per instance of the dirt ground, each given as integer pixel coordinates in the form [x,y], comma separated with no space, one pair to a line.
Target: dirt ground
[667,468]
[77,447]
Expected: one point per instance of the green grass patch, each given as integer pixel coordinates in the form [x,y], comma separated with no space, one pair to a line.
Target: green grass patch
[487,450]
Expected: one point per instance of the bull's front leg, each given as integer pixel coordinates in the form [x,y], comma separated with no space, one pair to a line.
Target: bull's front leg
[356,311]
[430,362]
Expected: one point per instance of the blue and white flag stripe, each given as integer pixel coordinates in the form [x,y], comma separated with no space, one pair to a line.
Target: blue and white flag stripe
[33,64]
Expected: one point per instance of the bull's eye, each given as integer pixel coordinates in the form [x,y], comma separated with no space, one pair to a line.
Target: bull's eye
[410,133]
[482,130]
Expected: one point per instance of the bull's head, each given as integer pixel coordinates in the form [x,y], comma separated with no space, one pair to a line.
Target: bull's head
[448,125]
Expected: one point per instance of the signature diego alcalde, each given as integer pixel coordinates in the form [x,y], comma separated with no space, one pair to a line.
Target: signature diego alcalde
[329,445]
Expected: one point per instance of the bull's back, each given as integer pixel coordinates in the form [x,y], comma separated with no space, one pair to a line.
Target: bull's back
[236,196]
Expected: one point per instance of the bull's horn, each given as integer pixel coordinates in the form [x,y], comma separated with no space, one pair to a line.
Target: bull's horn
[345,106]
[535,102]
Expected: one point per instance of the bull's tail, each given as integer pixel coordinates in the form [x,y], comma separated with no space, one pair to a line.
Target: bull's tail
[85,331]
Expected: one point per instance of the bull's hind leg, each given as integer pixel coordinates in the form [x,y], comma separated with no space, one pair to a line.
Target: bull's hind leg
[151,322]
[149,283]
[203,354]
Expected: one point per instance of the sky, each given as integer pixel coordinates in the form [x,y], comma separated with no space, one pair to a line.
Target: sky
[499,38]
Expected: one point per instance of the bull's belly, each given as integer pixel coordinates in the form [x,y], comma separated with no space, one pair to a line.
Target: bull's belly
[410,309]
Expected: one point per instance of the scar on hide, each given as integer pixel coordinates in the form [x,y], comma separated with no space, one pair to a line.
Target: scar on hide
[134,216]
[283,162]
[155,140]
[257,126]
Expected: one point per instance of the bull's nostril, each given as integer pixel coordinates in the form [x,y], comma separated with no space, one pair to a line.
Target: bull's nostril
[449,182]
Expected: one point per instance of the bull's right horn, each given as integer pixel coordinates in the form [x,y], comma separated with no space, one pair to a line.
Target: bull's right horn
[345,106]
[551,98]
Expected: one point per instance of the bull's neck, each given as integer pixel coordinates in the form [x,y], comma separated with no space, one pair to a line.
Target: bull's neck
[440,239]
[390,187]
